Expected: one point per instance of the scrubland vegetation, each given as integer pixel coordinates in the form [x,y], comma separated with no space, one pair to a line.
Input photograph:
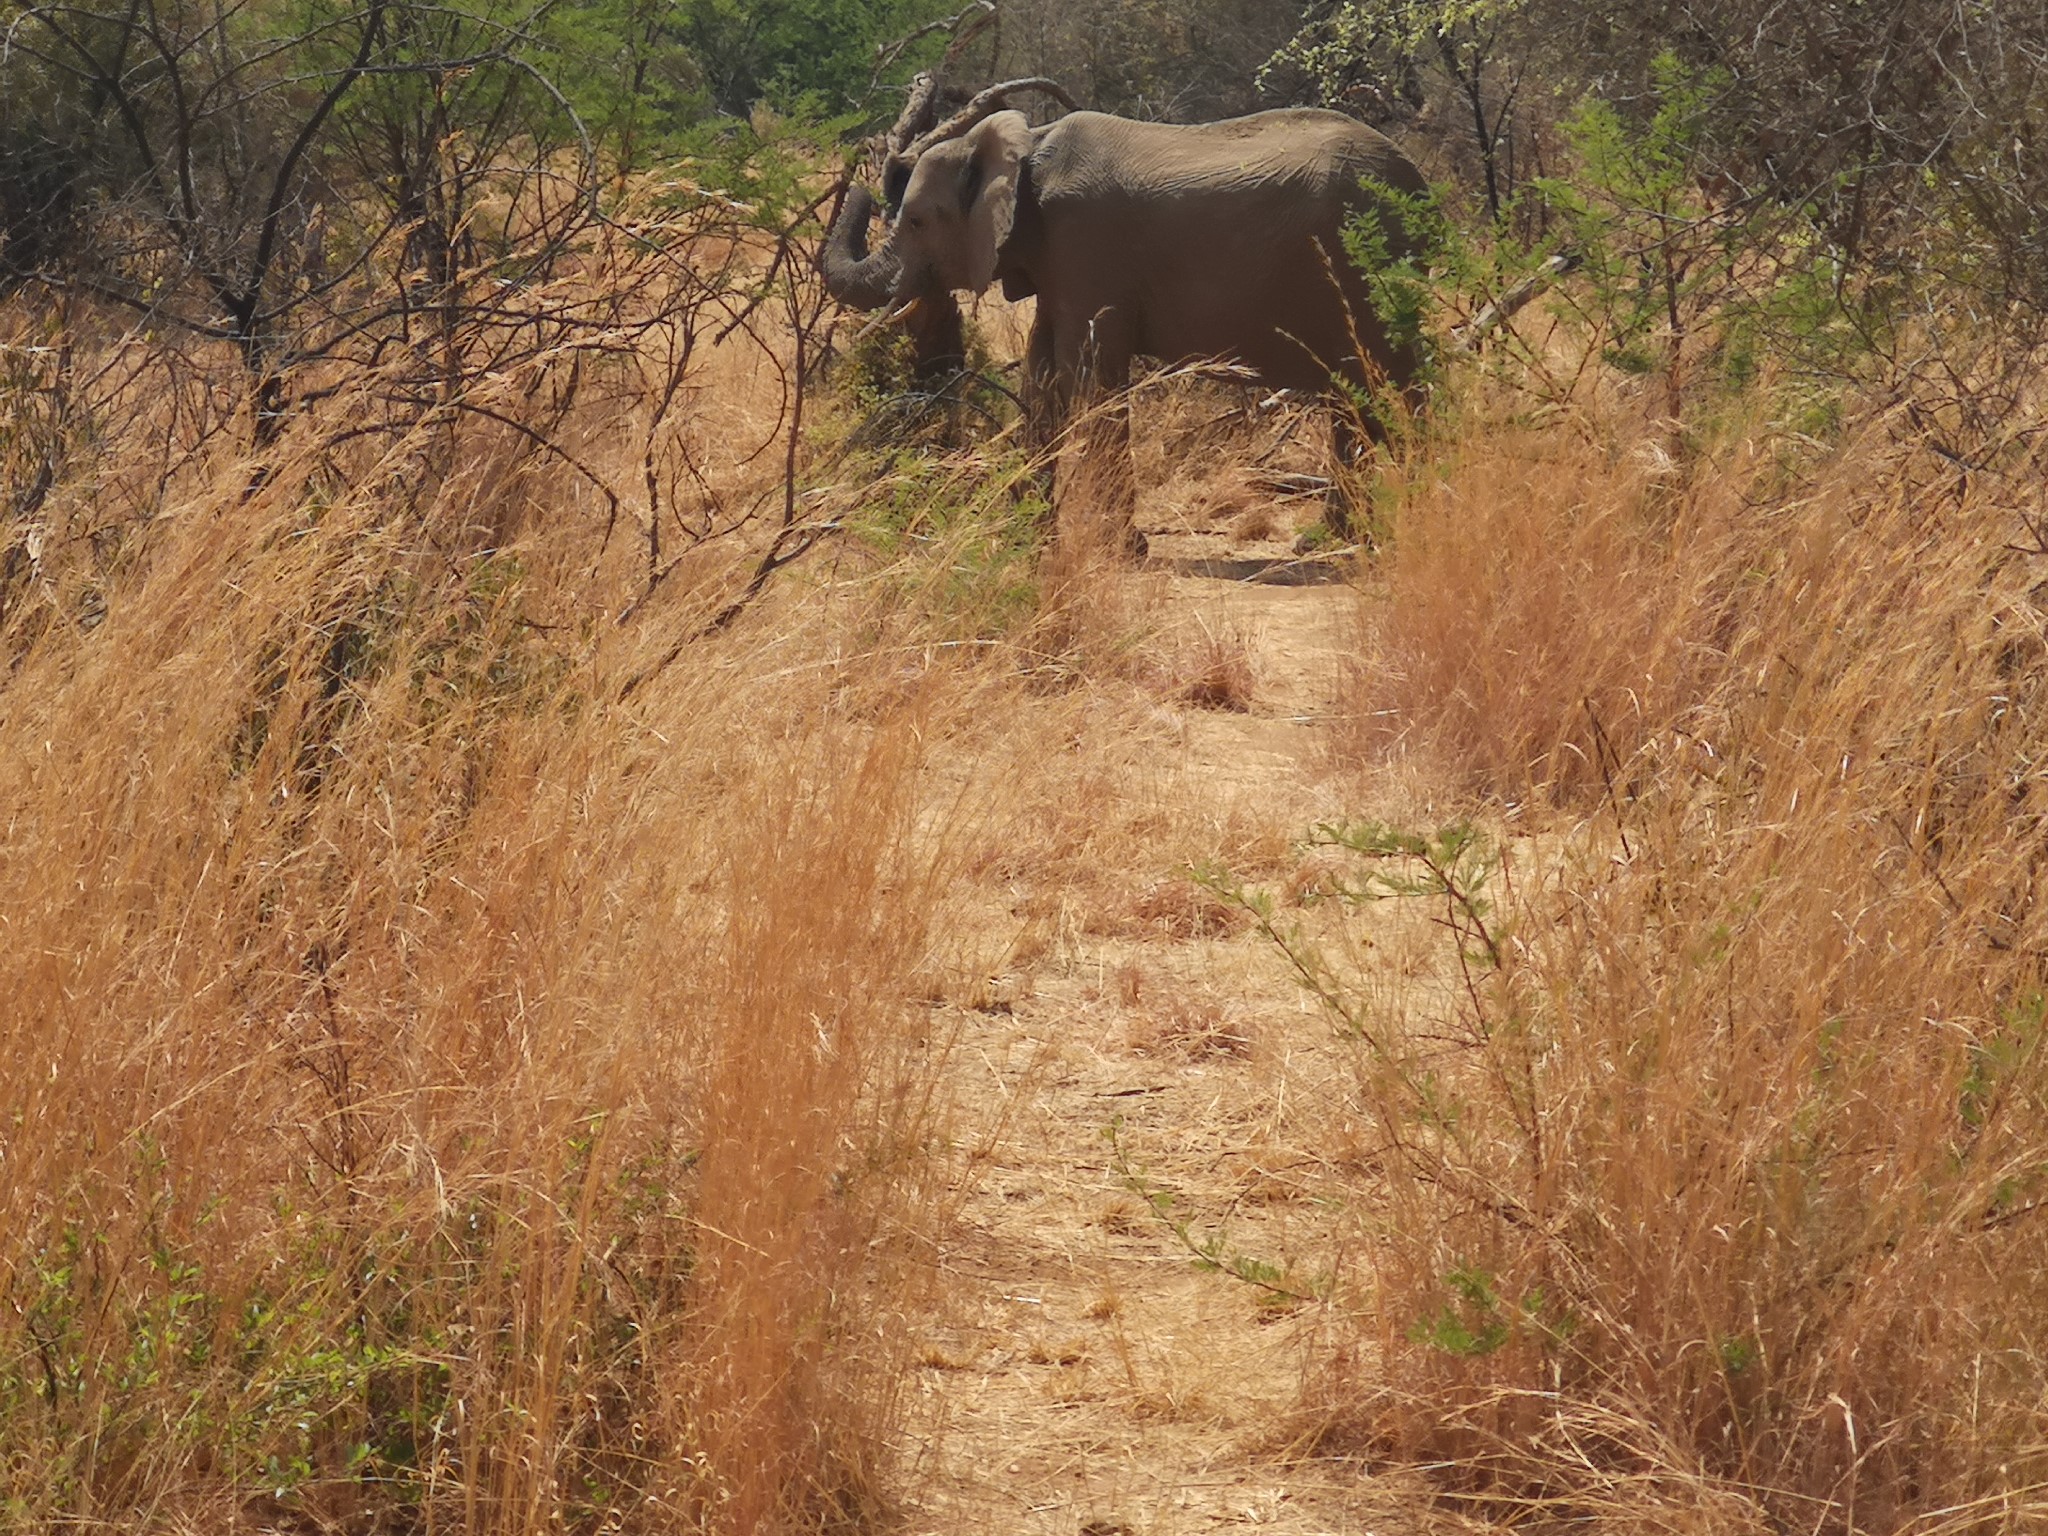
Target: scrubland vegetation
[500,684]
[1710,1188]
[436,1090]
[1711,1184]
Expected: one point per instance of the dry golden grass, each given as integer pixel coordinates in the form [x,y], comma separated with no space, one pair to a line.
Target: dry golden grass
[438,1092]
[1550,604]
[1215,670]
[1717,1203]
[448,1090]
[459,1088]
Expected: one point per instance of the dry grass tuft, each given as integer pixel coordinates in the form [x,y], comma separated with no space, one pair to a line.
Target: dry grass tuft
[439,1093]
[1178,907]
[1713,1175]
[1550,606]
[1256,522]
[1214,670]
[1199,1028]
[1094,622]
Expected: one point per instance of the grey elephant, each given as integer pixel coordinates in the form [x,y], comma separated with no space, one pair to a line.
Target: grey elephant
[1169,241]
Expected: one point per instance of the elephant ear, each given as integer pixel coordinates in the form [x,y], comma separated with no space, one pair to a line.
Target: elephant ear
[988,190]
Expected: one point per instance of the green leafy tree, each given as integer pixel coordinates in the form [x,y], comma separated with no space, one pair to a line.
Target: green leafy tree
[1371,54]
[789,52]
[221,170]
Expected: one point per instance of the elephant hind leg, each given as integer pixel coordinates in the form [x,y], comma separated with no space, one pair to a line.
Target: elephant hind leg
[1382,404]
[1358,429]
[1353,437]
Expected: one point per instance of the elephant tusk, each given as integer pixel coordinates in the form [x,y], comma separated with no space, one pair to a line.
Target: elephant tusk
[887,317]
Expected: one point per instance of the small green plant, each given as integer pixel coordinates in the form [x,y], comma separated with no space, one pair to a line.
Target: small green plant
[1213,1252]
[2001,1063]
[1476,1320]
[1452,864]
[1471,1324]
[1396,240]
[1656,250]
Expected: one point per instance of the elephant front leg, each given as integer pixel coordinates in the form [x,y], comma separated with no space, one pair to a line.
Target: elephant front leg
[1046,403]
[1094,369]
[1046,396]
[1112,478]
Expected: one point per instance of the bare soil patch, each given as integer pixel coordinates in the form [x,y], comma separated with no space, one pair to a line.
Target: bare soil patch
[1142,1079]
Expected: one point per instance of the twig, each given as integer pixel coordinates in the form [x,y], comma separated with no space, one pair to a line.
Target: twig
[1467,337]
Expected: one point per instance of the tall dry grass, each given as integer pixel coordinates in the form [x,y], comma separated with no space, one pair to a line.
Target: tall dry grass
[1554,602]
[1720,1202]
[437,1093]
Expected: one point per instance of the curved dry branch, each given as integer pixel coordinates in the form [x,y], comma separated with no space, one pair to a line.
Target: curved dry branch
[965,26]
[984,104]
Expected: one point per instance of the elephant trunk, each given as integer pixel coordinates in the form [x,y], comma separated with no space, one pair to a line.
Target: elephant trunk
[853,276]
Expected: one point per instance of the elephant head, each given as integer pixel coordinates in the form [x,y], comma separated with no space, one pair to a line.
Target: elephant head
[953,195]
[959,206]
[938,333]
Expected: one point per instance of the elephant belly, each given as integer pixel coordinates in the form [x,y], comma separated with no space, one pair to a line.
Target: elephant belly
[1281,300]
[1256,277]
[1294,328]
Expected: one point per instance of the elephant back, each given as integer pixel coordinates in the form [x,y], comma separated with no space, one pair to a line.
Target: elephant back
[1287,159]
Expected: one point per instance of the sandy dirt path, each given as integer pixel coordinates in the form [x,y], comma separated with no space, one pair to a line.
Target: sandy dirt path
[1086,1376]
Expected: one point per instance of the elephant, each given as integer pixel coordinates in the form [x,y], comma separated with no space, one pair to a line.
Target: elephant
[1178,242]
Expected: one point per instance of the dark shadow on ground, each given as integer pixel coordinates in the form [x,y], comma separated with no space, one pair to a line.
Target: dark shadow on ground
[1320,571]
